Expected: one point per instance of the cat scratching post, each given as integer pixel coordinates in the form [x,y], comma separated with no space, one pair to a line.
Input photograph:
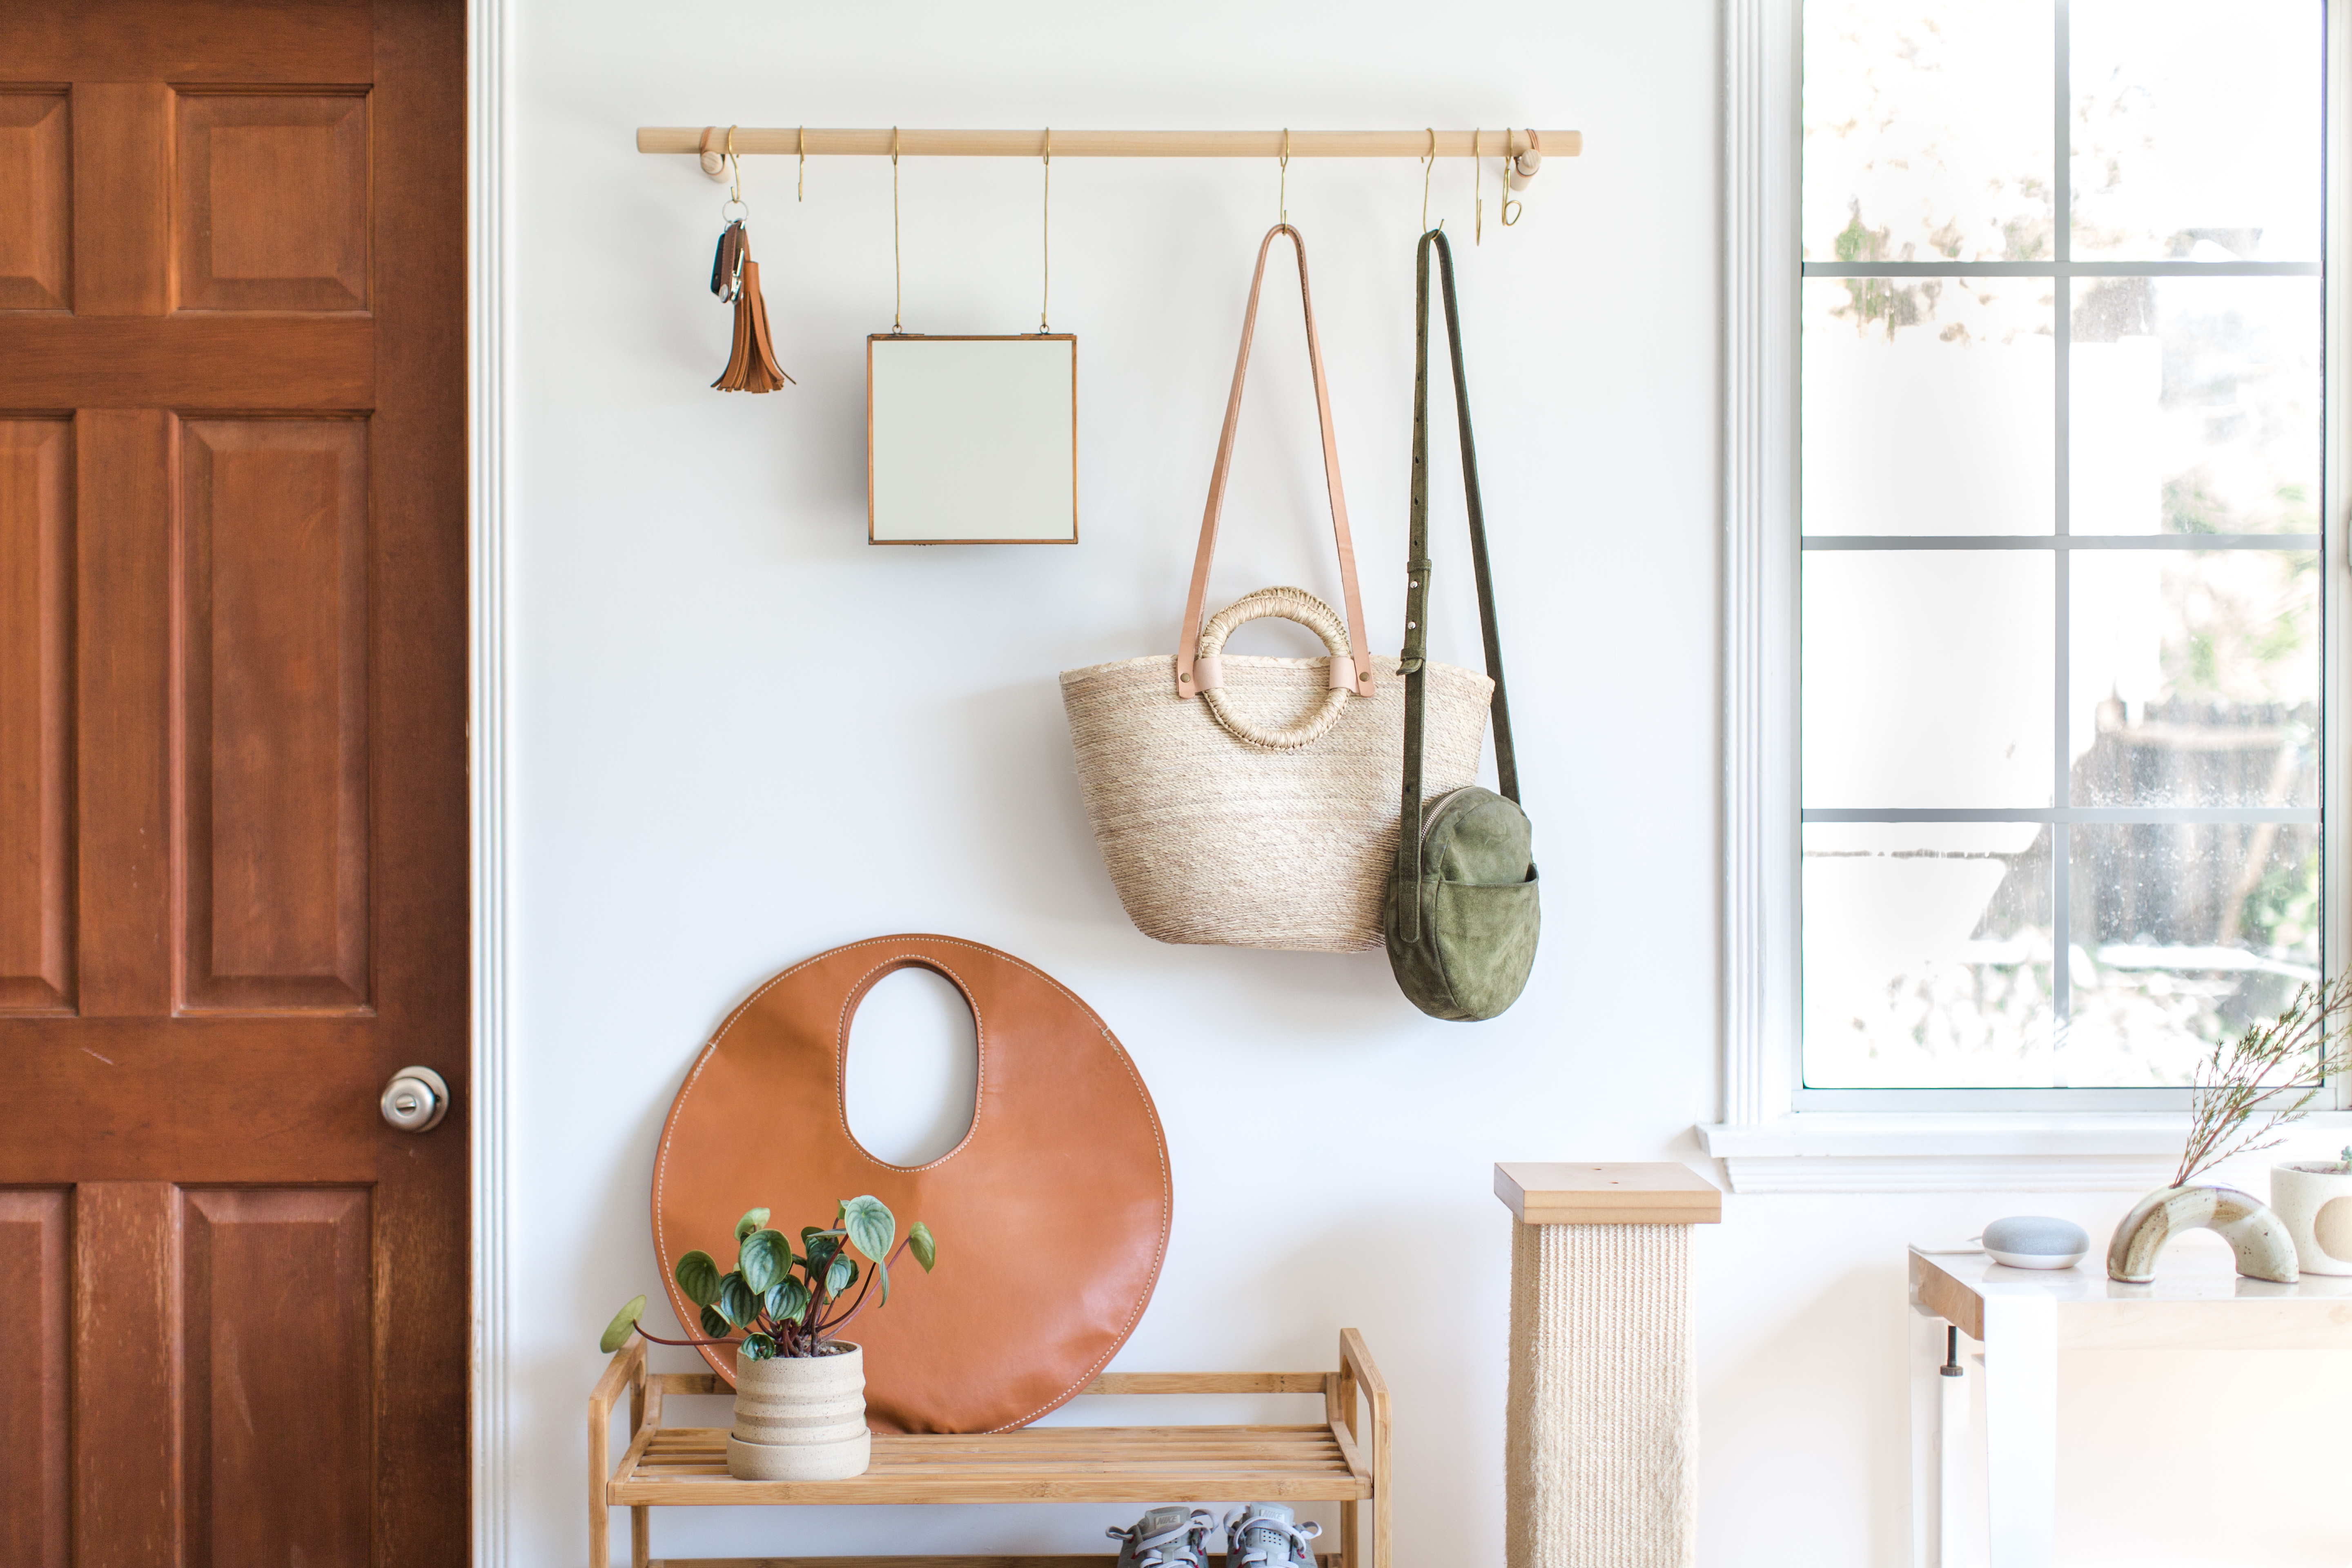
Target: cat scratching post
[1600,1455]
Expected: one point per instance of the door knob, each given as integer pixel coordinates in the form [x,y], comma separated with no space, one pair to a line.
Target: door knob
[415,1100]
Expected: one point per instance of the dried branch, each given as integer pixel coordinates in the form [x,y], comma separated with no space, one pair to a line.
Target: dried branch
[2249,1087]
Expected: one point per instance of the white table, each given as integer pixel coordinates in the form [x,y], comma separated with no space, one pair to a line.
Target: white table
[2024,1317]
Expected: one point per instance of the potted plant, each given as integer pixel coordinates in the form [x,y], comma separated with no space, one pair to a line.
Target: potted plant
[2244,1091]
[800,1388]
[2314,1201]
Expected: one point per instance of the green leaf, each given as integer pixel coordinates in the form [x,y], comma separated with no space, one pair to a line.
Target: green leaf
[882,1279]
[715,1323]
[871,1226]
[766,1256]
[753,1219]
[738,1300]
[788,1300]
[624,1324]
[758,1347]
[698,1276]
[919,1243]
[840,1276]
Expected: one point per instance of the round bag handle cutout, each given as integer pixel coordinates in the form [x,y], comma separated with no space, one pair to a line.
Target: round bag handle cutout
[849,1008]
[1290,605]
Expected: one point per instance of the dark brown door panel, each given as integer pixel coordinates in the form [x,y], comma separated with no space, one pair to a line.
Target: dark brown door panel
[233,833]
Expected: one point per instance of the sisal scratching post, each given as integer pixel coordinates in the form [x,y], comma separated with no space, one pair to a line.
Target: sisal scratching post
[1600,1452]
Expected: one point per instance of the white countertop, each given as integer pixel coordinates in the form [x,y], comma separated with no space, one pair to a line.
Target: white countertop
[2195,1298]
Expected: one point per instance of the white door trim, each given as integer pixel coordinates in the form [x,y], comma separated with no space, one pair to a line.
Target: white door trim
[487,356]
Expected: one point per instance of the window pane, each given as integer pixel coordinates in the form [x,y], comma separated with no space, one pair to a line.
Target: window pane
[2142,682]
[2196,130]
[2195,677]
[1927,406]
[2181,934]
[2194,405]
[1927,955]
[1927,131]
[1927,677]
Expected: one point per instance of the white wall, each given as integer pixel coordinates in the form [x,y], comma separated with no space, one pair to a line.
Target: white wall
[745,736]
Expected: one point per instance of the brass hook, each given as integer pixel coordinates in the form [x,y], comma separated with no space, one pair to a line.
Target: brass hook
[1477,192]
[800,191]
[1428,167]
[735,182]
[1511,209]
[1285,201]
[1046,237]
[897,274]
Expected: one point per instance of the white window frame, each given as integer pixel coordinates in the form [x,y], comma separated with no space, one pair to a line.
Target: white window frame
[1774,1135]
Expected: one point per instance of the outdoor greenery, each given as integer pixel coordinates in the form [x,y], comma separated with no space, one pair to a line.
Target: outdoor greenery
[785,1302]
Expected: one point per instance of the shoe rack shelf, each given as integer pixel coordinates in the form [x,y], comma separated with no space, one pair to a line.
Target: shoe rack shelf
[1342,1458]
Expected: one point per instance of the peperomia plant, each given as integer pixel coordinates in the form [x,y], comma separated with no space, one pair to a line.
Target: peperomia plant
[788,1303]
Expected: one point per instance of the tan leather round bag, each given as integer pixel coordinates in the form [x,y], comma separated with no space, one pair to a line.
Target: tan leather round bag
[1052,1214]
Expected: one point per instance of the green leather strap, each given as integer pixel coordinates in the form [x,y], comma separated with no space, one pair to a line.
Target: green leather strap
[1416,595]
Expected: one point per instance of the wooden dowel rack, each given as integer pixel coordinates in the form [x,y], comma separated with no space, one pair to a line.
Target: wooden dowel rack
[819,142]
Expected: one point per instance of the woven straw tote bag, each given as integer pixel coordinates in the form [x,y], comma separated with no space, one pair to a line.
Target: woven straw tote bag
[1252,802]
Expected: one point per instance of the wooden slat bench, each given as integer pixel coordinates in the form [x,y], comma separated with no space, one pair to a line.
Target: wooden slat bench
[1343,1459]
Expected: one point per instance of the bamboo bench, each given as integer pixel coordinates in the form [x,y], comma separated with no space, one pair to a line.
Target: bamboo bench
[1340,1459]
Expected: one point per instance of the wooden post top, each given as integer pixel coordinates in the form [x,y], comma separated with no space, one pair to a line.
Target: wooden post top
[1658,1193]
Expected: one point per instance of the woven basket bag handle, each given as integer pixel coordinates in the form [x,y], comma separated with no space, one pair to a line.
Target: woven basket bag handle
[1188,640]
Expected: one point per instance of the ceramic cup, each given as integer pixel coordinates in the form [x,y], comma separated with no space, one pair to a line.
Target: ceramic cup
[2315,1199]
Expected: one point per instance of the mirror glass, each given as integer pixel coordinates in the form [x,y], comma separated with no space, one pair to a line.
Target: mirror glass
[971,440]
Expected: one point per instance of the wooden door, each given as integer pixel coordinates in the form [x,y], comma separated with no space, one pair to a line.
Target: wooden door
[233,832]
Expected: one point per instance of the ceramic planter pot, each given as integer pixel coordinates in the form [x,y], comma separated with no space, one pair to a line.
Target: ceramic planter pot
[2315,1202]
[801,1418]
[2261,1245]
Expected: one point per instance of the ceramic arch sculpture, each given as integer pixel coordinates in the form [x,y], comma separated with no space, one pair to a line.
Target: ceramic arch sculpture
[2258,1239]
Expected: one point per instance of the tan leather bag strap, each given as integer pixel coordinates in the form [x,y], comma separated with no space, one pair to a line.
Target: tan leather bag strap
[1189,640]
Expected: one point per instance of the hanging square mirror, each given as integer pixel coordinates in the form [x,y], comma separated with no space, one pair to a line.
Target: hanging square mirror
[971,440]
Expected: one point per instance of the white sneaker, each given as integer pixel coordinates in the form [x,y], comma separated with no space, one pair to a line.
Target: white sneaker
[1175,1536]
[1269,1535]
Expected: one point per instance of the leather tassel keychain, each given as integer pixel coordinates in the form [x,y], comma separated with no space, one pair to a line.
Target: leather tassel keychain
[735,278]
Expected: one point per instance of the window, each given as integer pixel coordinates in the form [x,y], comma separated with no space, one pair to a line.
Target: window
[2059,326]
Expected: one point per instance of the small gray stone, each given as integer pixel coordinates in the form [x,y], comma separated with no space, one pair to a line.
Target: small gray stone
[2036,1241]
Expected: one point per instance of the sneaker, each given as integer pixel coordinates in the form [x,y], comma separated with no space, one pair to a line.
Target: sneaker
[1166,1538]
[1269,1535]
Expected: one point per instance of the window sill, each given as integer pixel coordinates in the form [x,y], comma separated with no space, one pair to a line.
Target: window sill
[1843,1151]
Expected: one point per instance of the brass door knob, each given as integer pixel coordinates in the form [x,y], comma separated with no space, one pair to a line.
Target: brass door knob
[415,1100]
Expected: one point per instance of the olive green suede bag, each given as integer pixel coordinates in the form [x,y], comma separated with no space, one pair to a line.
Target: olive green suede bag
[1462,917]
